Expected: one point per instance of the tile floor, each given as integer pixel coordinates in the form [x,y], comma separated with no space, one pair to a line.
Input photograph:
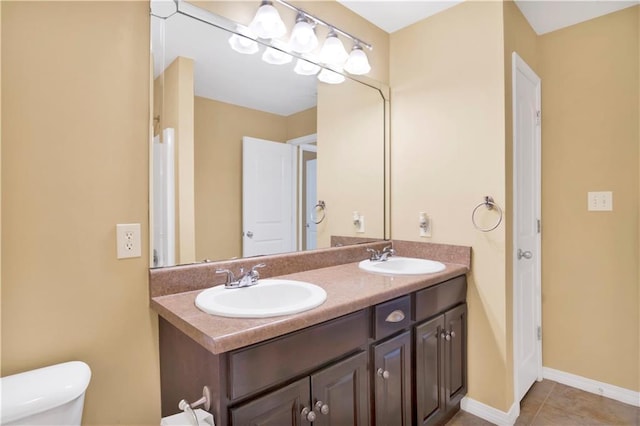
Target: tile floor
[553,404]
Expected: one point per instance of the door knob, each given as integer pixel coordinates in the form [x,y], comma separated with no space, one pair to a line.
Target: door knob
[249,234]
[322,407]
[308,414]
[526,254]
[383,373]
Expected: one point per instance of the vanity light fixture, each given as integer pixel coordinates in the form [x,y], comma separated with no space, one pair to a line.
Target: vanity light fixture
[357,63]
[303,36]
[243,43]
[331,77]
[267,23]
[333,52]
[276,57]
[306,68]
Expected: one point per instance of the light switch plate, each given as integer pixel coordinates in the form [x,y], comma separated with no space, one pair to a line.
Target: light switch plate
[600,201]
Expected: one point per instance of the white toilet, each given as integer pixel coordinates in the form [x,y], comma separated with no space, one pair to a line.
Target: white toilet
[51,395]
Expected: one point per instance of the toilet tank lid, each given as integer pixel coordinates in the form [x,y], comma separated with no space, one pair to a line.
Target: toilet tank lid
[35,391]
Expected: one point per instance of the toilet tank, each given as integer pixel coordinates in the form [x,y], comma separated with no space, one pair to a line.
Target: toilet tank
[51,395]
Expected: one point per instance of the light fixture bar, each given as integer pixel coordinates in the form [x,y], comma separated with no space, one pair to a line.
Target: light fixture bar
[326,24]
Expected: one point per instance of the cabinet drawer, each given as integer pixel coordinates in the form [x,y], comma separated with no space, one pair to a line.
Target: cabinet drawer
[438,298]
[266,364]
[391,316]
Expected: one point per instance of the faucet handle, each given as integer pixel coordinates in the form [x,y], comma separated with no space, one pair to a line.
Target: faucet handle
[375,254]
[389,250]
[254,273]
[230,277]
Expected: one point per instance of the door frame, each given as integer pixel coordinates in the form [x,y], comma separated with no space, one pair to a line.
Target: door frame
[303,143]
[518,64]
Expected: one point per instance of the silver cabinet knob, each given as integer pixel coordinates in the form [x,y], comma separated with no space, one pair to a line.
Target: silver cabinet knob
[526,254]
[308,414]
[453,334]
[322,407]
[445,335]
[249,234]
[383,373]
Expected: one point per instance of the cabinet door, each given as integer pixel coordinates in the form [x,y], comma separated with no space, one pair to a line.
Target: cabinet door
[430,388]
[279,408]
[340,393]
[455,355]
[391,372]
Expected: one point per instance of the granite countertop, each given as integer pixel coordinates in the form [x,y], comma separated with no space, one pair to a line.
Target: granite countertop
[348,288]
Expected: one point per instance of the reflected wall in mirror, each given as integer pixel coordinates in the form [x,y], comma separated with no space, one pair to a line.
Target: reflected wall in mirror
[244,151]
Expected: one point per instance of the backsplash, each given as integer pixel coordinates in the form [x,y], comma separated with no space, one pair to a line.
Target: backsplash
[178,279]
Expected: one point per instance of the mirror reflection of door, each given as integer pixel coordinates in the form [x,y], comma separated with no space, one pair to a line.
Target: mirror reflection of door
[163,184]
[268,202]
[311,185]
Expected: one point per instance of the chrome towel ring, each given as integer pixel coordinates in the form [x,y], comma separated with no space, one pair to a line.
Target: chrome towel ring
[489,204]
[323,209]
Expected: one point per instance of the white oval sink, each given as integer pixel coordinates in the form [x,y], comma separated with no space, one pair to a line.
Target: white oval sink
[268,298]
[396,265]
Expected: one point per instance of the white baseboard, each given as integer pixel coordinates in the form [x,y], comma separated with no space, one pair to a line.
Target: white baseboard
[489,413]
[593,386]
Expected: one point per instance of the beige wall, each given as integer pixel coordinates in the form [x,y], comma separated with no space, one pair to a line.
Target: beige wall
[350,159]
[590,142]
[75,154]
[173,103]
[219,128]
[302,123]
[447,152]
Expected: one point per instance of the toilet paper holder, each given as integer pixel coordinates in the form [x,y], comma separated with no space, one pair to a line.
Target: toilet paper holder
[188,407]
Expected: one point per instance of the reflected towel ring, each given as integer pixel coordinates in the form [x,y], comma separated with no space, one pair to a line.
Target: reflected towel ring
[322,206]
[489,204]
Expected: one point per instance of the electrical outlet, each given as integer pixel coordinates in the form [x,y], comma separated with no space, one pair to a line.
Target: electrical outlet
[128,240]
[424,222]
[360,226]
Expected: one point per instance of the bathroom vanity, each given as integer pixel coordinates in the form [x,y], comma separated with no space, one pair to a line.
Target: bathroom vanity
[383,350]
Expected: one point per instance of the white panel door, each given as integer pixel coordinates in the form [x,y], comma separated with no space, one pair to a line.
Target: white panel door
[526,205]
[267,197]
[312,195]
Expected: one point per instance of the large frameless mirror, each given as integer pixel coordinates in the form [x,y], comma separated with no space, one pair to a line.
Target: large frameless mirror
[251,158]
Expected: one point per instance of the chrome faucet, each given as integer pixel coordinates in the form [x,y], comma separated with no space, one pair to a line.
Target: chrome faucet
[247,279]
[381,256]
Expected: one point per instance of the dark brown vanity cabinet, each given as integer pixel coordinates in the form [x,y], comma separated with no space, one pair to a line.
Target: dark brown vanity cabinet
[391,365]
[335,395]
[440,365]
[400,362]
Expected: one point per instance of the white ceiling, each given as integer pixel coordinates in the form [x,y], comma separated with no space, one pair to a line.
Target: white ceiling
[543,15]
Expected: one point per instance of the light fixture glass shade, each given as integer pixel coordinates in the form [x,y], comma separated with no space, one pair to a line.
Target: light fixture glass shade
[357,63]
[333,52]
[267,22]
[243,44]
[303,37]
[306,68]
[276,57]
[331,77]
